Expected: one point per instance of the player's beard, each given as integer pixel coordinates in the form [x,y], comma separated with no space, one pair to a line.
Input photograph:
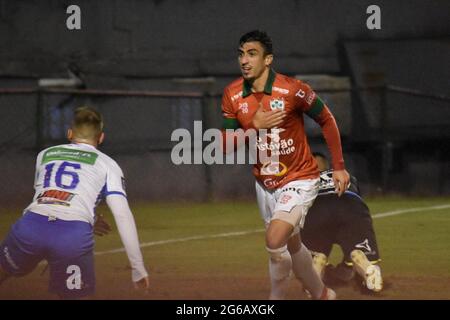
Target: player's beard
[252,74]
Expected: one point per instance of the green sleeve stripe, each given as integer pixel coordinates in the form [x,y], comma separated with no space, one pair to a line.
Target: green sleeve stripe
[316,108]
[230,123]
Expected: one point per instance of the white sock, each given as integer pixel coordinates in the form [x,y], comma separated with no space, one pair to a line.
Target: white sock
[302,265]
[280,265]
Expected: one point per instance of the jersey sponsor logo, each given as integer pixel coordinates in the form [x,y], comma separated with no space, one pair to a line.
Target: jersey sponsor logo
[300,93]
[364,245]
[276,146]
[272,183]
[55,197]
[59,153]
[310,98]
[236,96]
[243,107]
[280,90]
[277,104]
[271,168]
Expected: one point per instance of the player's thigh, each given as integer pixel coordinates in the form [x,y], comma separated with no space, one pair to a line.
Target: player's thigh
[21,250]
[320,227]
[72,271]
[317,241]
[73,278]
[266,203]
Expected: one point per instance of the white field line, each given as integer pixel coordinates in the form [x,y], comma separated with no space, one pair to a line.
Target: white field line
[243,233]
[397,212]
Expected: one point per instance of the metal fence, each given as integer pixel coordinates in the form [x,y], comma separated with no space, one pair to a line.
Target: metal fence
[378,125]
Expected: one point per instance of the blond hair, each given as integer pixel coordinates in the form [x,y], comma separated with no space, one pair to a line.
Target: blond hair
[87,124]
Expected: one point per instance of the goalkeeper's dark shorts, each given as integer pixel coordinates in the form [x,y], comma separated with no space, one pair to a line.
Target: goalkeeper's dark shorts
[344,221]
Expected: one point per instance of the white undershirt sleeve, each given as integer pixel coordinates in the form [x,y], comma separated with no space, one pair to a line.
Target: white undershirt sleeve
[128,233]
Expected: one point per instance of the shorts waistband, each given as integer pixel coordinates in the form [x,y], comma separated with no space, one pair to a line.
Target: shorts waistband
[43,217]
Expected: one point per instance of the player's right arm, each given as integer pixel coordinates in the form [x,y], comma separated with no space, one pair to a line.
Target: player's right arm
[261,120]
[37,173]
[128,233]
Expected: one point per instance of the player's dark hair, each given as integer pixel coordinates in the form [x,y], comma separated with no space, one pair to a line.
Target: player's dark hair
[261,37]
[87,123]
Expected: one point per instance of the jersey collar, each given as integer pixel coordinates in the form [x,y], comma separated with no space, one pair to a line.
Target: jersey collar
[85,144]
[247,87]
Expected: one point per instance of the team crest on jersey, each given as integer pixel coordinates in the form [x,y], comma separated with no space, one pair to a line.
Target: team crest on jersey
[277,104]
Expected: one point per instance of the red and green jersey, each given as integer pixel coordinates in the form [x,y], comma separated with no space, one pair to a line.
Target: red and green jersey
[239,105]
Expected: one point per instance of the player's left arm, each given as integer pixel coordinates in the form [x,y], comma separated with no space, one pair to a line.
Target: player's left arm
[128,233]
[37,173]
[315,108]
[118,204]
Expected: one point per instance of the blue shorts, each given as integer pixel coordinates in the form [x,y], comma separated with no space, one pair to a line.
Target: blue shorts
[68,246]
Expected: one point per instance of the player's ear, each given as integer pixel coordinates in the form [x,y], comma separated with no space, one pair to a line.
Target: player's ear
[268,59]
[69,134]
[101,138]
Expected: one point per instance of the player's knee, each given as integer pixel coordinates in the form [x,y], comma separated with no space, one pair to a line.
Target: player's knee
[276,238]
[273,243]
[280,263]
[278,254]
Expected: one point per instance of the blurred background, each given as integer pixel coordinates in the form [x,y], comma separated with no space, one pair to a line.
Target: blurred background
[154,66]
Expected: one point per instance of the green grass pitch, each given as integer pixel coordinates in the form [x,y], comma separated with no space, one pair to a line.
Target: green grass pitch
[216,251]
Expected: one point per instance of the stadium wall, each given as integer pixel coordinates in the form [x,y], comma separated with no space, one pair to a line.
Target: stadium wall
[166,38]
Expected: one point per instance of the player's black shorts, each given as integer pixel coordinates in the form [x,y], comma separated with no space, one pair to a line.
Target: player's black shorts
[345,221]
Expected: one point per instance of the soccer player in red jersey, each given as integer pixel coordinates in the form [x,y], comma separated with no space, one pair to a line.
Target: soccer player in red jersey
[264,99]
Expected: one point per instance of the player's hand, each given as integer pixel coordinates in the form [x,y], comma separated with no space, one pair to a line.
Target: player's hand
[143,284]
[267,119]
[341,180]
[101,226]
